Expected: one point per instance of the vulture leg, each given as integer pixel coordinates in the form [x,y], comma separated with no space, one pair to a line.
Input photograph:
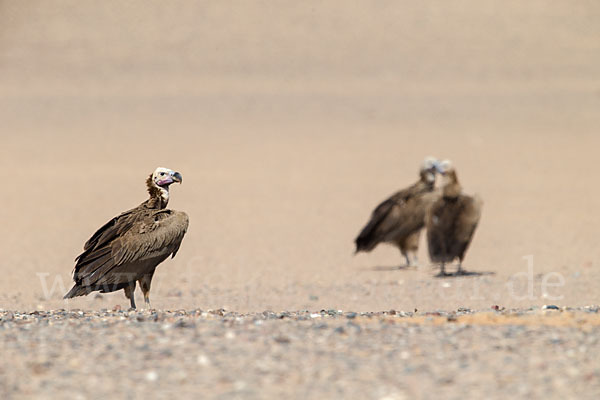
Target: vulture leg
[443,270]
[407,259]
[409,246]
[130,293]
[414,260]
[145,285]
[460,271]
[411,259]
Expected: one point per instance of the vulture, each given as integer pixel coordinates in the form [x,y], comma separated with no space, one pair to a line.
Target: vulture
[451,221]
[399,219]
[128,248]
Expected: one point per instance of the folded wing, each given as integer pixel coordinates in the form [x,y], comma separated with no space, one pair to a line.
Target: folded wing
[129,246]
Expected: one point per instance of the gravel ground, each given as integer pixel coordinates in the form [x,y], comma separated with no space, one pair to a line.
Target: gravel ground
[533,353]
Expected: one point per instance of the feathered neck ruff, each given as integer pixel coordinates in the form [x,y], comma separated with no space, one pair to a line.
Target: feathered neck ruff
[159,196]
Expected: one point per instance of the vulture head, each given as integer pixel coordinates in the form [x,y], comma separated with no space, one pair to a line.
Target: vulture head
[160,180]
[444,166]
[450,181]
[428,169]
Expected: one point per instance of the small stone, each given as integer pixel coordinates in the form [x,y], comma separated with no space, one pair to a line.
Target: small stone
[174,293]
[282,339]
[203,360]
[550,307]
[182,323]
[151,376]
[351,315]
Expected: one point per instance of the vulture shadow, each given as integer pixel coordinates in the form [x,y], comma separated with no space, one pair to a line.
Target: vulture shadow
[465,273]
[384,268]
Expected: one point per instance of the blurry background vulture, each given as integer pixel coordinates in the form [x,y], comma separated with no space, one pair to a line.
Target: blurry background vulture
[451,221]
[128,248]
[400,218]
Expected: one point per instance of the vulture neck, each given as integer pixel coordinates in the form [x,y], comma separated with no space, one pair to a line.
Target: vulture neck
[159,196]
[452,188]
[428,179]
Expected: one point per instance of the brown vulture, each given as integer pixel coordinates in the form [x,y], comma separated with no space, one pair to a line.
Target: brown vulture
[399,219]
[129,247]
[451,221]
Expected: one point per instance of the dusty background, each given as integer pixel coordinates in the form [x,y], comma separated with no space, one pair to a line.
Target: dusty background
[290,121]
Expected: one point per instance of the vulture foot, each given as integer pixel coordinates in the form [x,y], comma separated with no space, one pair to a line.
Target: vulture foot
[130,294]
[461,271]
[410,262]
[443,272]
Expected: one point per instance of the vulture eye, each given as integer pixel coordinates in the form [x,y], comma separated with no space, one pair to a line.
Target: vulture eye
[162,174]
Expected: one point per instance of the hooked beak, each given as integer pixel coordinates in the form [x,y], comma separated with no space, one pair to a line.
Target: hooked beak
[176,176]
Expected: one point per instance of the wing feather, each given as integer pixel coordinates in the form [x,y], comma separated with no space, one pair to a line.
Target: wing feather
[131,241]
[450,227]
[400,215]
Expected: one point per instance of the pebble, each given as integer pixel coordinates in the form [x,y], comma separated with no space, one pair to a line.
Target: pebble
[550,307]
[151,376]
[282,339]
[203,360]
[230,335]
[287,354]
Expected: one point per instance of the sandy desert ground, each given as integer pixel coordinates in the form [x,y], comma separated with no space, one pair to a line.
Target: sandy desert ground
[290,121]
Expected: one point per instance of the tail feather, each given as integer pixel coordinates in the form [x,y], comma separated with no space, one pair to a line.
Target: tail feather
[77,290]
[364,243]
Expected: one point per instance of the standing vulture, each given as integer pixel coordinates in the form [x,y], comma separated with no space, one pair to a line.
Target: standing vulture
[451,221]
[129,247]
[400,218]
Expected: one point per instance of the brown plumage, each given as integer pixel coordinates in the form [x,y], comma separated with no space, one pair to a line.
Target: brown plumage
[399,219]
[451,221]
[129,247]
